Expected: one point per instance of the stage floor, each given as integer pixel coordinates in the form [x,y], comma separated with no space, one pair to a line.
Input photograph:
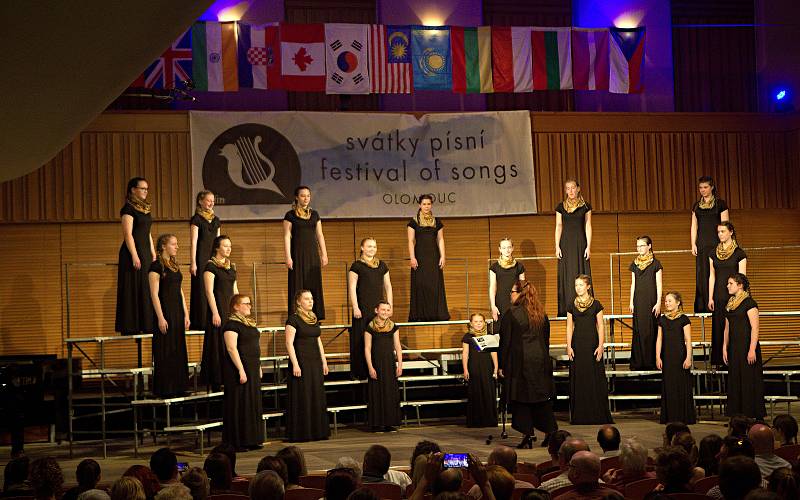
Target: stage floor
[350,441]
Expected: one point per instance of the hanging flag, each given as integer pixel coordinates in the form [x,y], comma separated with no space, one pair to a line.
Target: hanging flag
[259,56]
[346,59]
[502,59]
[303,57]
[430,52]
[174,66]
[590,58]
[552,58]
[626,59]
[472,59]
[214,61]
[521,58]
[389,59]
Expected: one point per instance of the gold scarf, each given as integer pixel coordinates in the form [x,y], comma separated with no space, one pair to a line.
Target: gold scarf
[737,299]
[507,263]
[642,261]
[222,264]
[677,313]
[308,317]
[169,263]
[584,305]
[426,220]
[245,320]
[206,213]
[303,213]
[477,333]
[378,327]
[723,252]
[705,205]
[139,205]
[570,205]
[375,262]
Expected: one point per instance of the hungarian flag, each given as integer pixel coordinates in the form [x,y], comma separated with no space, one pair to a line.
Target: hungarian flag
[590,59]
[472,59]
[259,56]
[626,59]
[431,56]
[303,57]
[552,58]
[346,58]
[214,59]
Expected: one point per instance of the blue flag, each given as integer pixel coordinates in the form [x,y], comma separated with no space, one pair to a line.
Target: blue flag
[430,52]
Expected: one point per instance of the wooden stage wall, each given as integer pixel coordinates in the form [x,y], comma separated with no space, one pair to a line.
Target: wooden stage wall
[59,229]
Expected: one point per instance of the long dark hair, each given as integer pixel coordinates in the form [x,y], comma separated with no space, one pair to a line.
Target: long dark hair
[741,279]
[217,243]
[529,298]
[133,183]
[729,225]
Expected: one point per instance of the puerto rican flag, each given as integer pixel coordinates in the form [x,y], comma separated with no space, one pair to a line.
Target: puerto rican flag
[303,57]
[174,65]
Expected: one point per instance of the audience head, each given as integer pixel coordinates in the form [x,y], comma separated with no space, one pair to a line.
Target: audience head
[350,463]
[569,448]
[377,460]
[536,494]
[738,425]
[174,492]
[447,480]
[295,462]
[16,472]
[738,476]
[418,470]
[557,438]
[363,494]
[424,448]
[783,482]
[451,495]
[686,441]
[94,494]
[733,446]
[633,457]
[762,494]
[785,429]
[196,480]
[673,468]
[227,449]
[762,438]
[164,465]
[275,464]
[501,480]
[708,452]
[218,468]
[673,428]
[584,469]
[505,457]
[339,483]
[148,480]
[46,478]
[608,438]
[87,474]
[126,488]
[267,484]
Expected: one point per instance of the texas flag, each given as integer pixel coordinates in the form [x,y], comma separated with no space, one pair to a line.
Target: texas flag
[303,57]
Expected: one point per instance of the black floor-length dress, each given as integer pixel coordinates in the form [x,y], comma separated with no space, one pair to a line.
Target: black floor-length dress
[707,221]
[428,300]
[306,272]
[645,324]
[383,395]
[369,291]
[481,387]
[134,308]
[677,403]
[573,246]
[170,360]
[524,357]
[745,381]
[588,388]
[198,304]
[306,408]
[505,277]
[242,425]
[723,269]
[213,341]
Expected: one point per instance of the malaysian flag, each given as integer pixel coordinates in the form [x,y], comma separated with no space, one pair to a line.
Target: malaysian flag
[174,65]
[390,59]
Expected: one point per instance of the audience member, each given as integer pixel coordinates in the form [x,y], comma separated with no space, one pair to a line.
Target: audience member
[557,438]
[46,478]
[671,429]
[707,454]
[785,429]
[783,482]
[267,485]
[218,468]
[352,463]
[764,445]
[174,492]
[738,425]
[506,458]
[451,495]
[363,494]
[537,493]
[633,462]
[339,483]
[126,488]
[88,475]
[196,480]
[733,447]
[501,481]
[762,494]
[608,438]
[423,448]
[94,494]
[584,473]
[686,441]
[164,465]
[674,470]
[568,449]
[446,483]
[447,480]
[149,481]
[376,464]
[15,478]
[275,464]
[418,471]
[229,451]
[737,477]
[295,462]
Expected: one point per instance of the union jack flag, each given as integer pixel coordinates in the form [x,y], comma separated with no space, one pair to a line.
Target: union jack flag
[175,64]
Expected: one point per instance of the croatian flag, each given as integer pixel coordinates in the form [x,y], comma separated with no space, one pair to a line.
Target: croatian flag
[259,56]
[590,59]
[626,56]
[303,57]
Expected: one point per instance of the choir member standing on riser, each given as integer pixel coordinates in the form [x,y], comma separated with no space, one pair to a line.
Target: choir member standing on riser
[728,258]
[573,240]
[170,360]
[381,345]
[368,283]
[502,275]
[645,304]
[241,419]
[525,364]
[306,407]
[707,213]
[674,359]
[741,350]
[219,276]
[305,250]
[426,253]
[204,227]
[134,310]
[588,387]
[480,373]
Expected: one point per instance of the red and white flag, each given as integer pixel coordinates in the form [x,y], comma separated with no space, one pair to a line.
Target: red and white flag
[303,57]
[590,59]
[389,59]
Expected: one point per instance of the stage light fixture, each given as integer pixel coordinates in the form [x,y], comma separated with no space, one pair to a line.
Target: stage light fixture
[782,100]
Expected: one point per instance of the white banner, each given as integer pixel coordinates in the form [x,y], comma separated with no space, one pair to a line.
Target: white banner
[361,165]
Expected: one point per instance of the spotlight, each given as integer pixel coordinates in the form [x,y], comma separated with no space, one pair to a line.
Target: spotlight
[782,100]
[781,95]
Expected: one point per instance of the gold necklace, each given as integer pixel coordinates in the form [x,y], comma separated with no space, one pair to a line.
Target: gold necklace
[426,220]
[736,300]
[642,261]
[477,333]
[169,263]
[724,252]
[221,263]
[705,205]
[206,213]
[373,263]
[678,312]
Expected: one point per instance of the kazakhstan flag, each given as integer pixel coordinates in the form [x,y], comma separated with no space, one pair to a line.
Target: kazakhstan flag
[430,49]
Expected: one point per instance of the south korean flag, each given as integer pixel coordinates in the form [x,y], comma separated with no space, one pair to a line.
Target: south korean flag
[346,59]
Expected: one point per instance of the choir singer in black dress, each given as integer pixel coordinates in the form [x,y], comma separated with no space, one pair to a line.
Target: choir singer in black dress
[384,355]
[305,250]
[525,364]
[707,213]
[426,253]
[480,373]
[204,227]
[503,273]
[674,359]
[645,304]
[573,242]
[220,284]
[241,418]
[726,260]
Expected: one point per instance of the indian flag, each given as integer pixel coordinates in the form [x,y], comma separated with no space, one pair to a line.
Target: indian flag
[472,59]
[214,57]
[552,58]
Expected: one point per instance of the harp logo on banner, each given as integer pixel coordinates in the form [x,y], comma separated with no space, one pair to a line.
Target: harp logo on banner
[252,163]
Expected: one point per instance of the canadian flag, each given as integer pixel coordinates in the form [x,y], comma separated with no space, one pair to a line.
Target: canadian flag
[303,57]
